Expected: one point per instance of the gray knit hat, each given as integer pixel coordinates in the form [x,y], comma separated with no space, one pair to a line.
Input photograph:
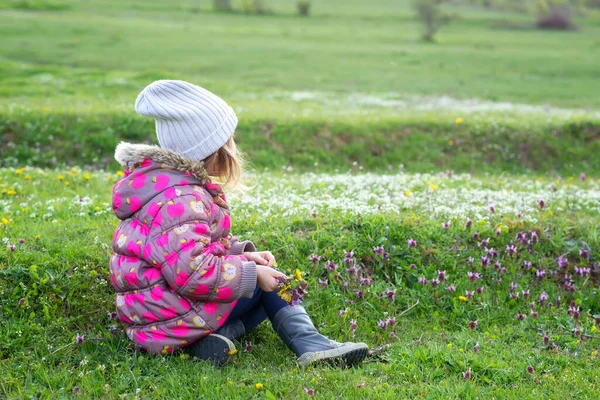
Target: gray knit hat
[190,120]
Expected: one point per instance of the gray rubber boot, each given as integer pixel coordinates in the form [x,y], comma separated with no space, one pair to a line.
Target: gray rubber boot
[296,330]
[215,348]
[232,330]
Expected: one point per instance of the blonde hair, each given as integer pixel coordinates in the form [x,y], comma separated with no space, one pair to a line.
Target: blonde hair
[226,166]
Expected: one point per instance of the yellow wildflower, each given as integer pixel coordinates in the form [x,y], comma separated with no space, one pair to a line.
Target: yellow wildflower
[451,142]
[28,177]
[259,386]
[86,176]
[120,173]
[232,352]
[67,183]
[298,275]
[459,121]
[462,298]
[449,345]
[37,237]
[433,187]
[408,193]
[19,171]
[60,177]
[11,191]
[5,221]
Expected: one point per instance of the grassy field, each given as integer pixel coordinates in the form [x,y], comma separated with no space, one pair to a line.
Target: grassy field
[54,284]
[360,136]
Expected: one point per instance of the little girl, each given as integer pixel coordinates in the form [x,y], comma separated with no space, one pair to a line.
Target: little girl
[182,280]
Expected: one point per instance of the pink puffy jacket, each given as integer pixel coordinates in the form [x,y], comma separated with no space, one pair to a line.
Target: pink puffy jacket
[176,269]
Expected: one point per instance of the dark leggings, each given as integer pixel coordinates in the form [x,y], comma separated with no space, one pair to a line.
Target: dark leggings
[252,311]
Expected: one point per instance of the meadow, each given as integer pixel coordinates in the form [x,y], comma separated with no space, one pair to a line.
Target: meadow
[440,198]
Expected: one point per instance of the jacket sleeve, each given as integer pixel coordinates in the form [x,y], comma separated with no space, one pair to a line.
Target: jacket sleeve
[240,247]
[199,269]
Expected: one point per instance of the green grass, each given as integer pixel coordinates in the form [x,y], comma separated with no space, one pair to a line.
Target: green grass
[97,51]
[346,89]
[57,285]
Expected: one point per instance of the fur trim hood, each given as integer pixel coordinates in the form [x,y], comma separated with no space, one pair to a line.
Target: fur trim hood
[131,153]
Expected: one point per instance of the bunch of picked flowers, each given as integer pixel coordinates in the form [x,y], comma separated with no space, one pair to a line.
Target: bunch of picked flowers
[292,288]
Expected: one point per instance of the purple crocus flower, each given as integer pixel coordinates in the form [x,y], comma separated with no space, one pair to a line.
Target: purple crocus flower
[310,392]
[530,369]
[323,283]
[380,251]
[473,324]
[442,275]
[468,224]
[470,261]
[498,231]
[434,282]
[492,253]
[525,293]
[422,280]
[359,294]
[520,317]
[485,261]
[513,296]
[390,321]
[469,294]
[349,257]
[446,224]
[476,236]
[249,347]
[546,339]
[513,286]
[583,177]
[527,265]
[382,324]
[353,325]
[563,262]
[451,288]
[493,208]
[534,237]
[479,290]
[331,266]
[412,243]
[467,374]
[558,302]
[540,273]
[79,339]
[511,250]
[541,203]
[391,294]
[473,276]
[476,347]
[543,297]
[583,253]
[365,281]
[314,258]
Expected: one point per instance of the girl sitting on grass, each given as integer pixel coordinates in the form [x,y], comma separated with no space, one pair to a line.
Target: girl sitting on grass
[182,280]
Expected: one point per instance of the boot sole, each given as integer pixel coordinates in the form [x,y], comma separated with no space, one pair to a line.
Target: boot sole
[348,355]
[213,347]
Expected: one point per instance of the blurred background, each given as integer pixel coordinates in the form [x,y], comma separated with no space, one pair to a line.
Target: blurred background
[71,70]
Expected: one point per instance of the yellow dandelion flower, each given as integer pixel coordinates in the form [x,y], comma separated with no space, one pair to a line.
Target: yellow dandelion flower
[459,121]
[120,173]
[408,193]
[232,352]
[433,187]
[19,171]
[449,345]
[67,183]
[28,177]
[86,176]
[11,192]
[37,237]
[451,142]
[60,177]
[298,275]
[5,221]
[259,386]
[462,298]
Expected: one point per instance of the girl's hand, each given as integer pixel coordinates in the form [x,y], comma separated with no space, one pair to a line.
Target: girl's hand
[261,258]
[266,278]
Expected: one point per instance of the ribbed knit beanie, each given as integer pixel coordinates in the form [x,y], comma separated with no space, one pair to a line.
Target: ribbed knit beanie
[190,120]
